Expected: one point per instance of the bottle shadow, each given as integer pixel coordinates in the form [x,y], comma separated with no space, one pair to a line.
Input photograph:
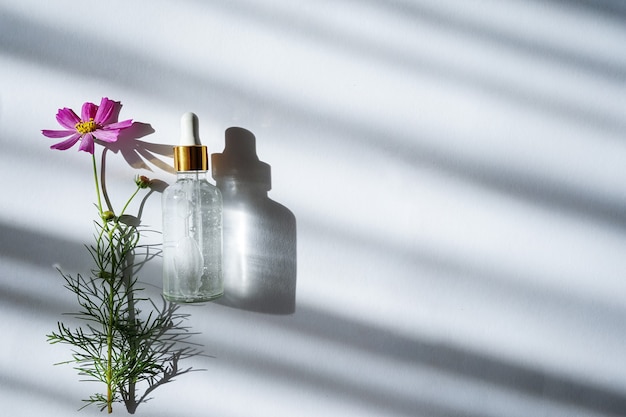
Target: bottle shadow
[259,234]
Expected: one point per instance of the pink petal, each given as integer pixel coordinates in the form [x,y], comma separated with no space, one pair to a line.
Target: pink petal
[66,144]
[104,111]
[86,144]
[88,112]
[120,125]
[57,133]
[106,135]
[67,118]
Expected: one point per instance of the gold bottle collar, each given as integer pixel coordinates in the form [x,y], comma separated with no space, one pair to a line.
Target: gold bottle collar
[191,158]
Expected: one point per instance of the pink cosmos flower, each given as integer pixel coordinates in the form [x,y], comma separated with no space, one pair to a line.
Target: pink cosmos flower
[96,122]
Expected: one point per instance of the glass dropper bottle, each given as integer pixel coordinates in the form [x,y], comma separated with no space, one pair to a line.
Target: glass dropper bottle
[192,224]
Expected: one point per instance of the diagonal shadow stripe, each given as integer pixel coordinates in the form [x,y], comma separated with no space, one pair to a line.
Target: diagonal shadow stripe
[41,249]
[459,74]
[20,38]
[322,325]
[457,360]
[614,9]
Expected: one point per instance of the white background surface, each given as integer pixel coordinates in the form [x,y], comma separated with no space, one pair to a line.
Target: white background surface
[457,170]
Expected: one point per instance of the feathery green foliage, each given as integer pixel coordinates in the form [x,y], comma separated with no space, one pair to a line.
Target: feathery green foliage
[118,344]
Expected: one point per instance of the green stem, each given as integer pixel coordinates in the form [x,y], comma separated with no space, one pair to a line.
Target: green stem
[111,301]
[105,193]
[129,200]
[95,177]
[109,369]
[111,278]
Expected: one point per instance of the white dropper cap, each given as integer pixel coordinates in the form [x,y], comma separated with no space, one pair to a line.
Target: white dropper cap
[190,155]
[189,135]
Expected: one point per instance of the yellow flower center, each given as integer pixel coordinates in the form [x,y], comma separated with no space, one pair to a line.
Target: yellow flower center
[86,127]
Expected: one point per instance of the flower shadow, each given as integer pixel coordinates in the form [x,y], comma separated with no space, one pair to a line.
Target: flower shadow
[140,154]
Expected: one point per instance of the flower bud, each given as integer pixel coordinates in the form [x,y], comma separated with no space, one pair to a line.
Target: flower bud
[108,215]
[142,181]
